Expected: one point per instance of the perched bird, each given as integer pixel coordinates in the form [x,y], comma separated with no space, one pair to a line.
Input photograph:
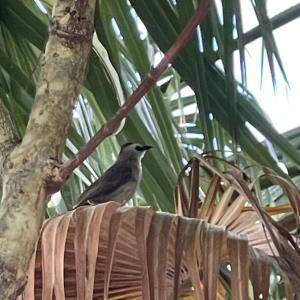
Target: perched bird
[120,181]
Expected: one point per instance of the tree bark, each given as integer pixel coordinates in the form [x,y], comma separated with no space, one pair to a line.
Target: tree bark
[26,166]
[8,133]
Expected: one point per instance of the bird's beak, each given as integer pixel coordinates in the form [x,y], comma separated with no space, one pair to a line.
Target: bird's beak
[145,147]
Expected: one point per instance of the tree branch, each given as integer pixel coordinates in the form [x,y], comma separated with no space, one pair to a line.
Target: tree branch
[112,125]
[24,196]
[8,133]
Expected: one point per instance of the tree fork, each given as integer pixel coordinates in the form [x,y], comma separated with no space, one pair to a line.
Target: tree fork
[25,165]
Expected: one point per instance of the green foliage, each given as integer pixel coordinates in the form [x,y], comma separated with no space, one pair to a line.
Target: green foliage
[224,105]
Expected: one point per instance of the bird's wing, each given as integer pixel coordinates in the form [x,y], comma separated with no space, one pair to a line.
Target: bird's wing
[111,180]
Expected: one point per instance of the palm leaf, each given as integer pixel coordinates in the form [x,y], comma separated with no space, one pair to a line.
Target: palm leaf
[217,83]
[225,203]
[112,252]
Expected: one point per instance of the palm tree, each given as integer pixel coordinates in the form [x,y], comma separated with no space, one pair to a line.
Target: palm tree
[129,38]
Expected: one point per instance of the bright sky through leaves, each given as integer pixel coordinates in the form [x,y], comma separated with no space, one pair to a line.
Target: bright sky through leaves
[283,105]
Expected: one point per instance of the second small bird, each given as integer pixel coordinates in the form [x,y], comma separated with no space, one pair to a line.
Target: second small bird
[120,181]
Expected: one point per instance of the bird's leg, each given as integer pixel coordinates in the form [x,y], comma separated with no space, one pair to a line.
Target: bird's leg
[124,202]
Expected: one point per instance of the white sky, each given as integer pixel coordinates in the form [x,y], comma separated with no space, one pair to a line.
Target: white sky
[282,106]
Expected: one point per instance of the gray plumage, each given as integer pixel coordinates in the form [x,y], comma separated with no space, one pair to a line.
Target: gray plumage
[120,181]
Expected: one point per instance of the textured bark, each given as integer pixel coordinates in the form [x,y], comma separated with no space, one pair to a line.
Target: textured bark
[26,166]
[8,134]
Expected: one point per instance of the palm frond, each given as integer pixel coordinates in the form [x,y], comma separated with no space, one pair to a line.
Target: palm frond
[114,252]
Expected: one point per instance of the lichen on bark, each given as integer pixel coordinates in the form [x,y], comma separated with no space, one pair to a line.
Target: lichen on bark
[24,190]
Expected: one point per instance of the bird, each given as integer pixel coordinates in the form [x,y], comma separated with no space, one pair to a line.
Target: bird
[120,182]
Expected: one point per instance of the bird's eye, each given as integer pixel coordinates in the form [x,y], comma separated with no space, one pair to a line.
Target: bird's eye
[138,148]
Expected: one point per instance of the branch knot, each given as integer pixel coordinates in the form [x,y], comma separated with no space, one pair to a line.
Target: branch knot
[72,26]
[52,178]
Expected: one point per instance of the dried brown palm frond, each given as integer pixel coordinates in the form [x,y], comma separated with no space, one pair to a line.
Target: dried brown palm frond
[229,199]
[112,252]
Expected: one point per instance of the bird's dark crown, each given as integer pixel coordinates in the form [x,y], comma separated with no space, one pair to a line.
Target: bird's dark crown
[125,145]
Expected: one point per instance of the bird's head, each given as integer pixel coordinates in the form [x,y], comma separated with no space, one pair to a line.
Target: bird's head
[133,151]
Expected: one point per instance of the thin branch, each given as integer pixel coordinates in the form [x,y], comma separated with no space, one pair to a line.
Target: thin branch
[8,133]
[112,125]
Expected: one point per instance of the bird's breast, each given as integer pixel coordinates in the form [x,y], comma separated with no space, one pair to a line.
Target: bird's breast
[125,192]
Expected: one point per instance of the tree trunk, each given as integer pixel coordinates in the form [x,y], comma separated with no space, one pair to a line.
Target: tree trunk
[26,165]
